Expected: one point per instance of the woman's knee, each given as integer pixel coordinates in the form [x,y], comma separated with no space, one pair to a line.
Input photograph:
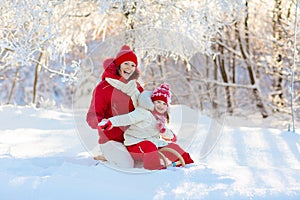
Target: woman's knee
[147,146]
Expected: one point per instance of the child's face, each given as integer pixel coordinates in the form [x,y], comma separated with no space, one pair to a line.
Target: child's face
[127,68]
[160,106]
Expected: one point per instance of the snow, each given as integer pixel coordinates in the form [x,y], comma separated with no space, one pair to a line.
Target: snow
[42,156]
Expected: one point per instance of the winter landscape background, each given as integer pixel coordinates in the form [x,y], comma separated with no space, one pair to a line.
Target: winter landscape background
[233,67]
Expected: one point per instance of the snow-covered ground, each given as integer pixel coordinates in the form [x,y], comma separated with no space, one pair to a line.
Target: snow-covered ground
[44,156]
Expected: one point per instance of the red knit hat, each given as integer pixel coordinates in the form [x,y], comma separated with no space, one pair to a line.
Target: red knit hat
[125,54]
[162,93]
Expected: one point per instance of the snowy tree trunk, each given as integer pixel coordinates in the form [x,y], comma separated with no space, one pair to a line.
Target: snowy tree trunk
[234,61]
[36,73]
[245,51]
[215,88]
[13,84]
[278,99]
[221,63]
[129,12]
[160,64]
[293,69]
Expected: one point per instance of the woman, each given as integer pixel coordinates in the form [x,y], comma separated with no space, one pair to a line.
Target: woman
[107,101]
[144,137]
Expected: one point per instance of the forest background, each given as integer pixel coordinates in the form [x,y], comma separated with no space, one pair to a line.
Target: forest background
[231,57]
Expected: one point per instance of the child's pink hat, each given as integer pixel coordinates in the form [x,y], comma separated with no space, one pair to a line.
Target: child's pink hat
[162,93]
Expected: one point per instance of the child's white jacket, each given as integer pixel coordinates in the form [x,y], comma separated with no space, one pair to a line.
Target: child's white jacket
[142,123]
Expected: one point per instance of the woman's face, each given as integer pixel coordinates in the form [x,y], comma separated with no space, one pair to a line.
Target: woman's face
[160,106]
[127,68]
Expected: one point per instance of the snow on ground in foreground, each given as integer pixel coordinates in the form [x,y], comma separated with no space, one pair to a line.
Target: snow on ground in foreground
[42,157]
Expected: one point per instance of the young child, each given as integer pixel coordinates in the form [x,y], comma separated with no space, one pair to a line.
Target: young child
[147,122]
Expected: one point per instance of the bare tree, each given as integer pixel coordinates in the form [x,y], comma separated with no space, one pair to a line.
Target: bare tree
[278,32]
[246,55]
